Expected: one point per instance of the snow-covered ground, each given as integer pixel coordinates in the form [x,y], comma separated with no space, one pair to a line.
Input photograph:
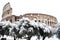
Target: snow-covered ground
[32,38]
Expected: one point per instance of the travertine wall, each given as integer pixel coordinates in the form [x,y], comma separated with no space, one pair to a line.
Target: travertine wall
[7,11]
[11,18]
[38,17]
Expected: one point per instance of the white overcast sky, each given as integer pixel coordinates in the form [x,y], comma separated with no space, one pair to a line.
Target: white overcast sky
[50,7]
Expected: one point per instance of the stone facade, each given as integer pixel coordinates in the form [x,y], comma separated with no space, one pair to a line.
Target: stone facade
[7,14]
[7,10]
[37,17]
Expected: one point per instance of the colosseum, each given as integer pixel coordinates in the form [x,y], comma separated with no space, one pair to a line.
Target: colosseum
[37,17]
[44,18]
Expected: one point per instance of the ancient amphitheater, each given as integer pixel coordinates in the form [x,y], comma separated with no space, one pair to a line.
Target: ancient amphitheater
[44,18]
[37,17]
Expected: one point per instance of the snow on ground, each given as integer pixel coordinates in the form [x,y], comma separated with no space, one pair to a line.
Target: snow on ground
[33,38]
[7,37]
[52,38]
